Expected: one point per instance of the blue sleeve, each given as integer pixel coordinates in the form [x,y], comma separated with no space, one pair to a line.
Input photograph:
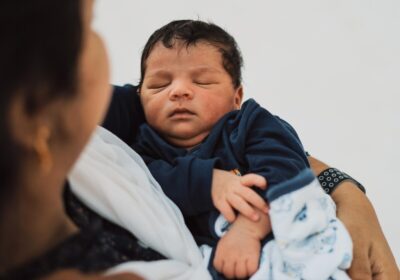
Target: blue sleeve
[186,181]
[125,113]
[273,148]
[289,128]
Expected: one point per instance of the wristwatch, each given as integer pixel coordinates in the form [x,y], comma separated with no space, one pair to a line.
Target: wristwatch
[331,178]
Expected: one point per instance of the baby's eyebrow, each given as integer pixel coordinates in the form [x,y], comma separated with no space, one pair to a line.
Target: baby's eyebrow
[194,71]
[159,74]
[205,69]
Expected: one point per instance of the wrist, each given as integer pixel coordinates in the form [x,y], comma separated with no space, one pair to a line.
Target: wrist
[322,170]
[331,178]
[257,230]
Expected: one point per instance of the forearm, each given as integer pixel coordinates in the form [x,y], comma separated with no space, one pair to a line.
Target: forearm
[348,192]
[317,166]
[372,254]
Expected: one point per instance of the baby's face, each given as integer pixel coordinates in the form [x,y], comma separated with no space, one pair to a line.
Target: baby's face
[185,91]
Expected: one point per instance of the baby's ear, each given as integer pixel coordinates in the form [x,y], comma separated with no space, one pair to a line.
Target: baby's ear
[238,97]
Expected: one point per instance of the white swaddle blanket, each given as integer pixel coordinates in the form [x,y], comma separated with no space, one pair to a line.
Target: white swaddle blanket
[310,242]
[113,180]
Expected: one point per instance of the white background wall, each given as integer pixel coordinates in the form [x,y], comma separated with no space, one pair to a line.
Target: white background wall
[330,68]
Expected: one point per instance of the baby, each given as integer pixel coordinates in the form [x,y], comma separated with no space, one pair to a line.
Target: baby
[213,155]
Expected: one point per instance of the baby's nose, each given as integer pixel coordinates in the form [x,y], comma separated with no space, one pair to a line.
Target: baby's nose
[181,90]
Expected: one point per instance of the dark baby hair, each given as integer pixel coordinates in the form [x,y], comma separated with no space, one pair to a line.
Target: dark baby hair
[191,32]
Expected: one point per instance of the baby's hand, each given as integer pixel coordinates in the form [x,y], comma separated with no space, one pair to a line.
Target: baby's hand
[230,191]
[237,254]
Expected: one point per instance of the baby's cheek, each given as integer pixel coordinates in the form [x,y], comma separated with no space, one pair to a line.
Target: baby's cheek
[155,118]
[150,110]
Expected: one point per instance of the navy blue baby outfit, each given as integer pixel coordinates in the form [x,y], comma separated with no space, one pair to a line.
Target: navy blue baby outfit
[250,140]
[307,234]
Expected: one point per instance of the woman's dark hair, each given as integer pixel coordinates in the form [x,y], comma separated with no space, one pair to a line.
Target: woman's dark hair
[191,32]
[40,46]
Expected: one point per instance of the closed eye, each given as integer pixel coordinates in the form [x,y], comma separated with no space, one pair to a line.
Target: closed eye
[204,83]
[157,86]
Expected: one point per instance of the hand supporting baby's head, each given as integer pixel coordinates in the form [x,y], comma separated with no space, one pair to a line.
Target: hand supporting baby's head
[191,77]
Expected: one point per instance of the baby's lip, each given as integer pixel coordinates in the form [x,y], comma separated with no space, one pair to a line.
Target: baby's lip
[180,111]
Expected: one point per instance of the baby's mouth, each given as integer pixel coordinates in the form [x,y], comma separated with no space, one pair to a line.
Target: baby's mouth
[181,112]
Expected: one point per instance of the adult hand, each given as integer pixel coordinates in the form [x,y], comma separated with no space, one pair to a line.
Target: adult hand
[372,258]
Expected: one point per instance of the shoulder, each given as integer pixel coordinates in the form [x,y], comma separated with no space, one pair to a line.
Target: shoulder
[251,107]
[252,116]
[124,96]
[126,90]
[252,113]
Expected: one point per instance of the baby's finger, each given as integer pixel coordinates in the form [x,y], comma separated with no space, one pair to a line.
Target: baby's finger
[226,210]
[252,265]
[243,207]
[241,270]
[218,263]
[229,269]
[250,196]
[251,180]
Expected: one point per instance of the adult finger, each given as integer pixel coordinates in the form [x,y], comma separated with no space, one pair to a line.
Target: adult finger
[360,267]
[251,180]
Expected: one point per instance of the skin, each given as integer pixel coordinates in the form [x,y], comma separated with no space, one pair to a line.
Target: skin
[53,139]
[372,258]
[229,192]
[238,251]
[186,91]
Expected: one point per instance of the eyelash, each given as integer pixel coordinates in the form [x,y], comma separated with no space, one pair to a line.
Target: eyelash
[158,86]
[161,87]
[203,83]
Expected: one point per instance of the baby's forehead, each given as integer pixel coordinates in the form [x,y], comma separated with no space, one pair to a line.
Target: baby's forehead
[184,46]
[201,52]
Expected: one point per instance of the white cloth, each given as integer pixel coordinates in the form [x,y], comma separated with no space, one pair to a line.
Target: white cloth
[113,180]
[310,242]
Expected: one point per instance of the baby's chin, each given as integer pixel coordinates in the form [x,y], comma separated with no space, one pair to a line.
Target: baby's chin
[185,139]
